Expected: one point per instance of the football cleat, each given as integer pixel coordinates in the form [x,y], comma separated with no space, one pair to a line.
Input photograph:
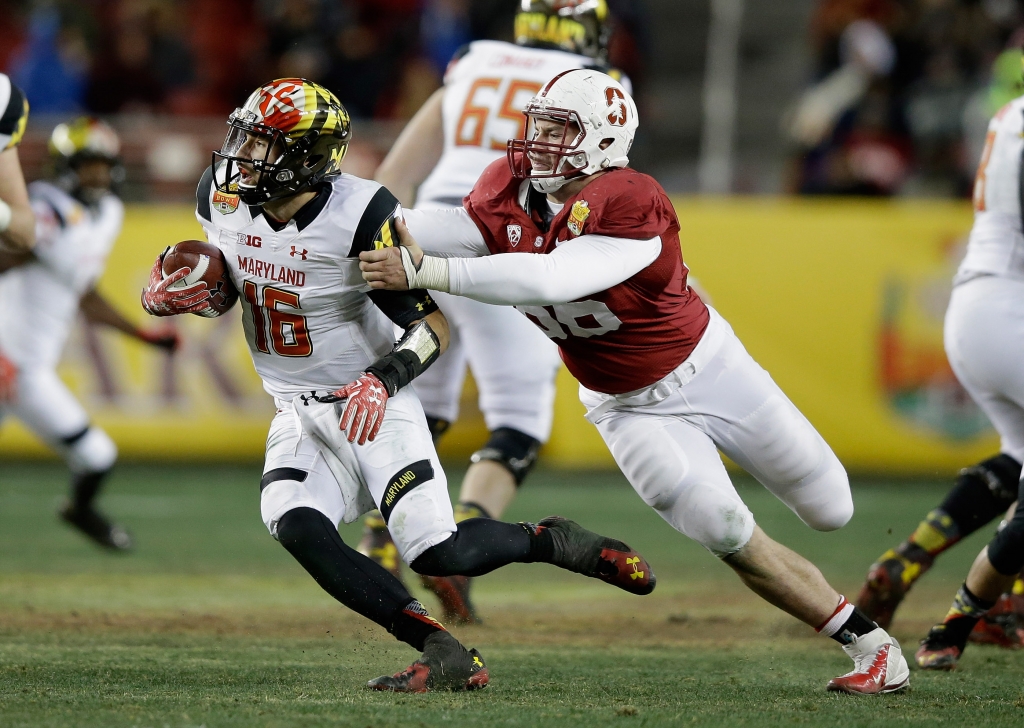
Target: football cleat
[889,579]
[1003,624]
[453,593]
[878,666]
[378,545]
[939,650]
[96,527]
[590,554]
[444,665]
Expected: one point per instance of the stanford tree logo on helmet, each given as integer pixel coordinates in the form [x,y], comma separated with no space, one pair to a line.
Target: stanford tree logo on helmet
[289,136]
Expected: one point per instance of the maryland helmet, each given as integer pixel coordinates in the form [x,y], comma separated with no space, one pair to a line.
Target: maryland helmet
[85,139]
[575,26]
[599,121]
[288,136]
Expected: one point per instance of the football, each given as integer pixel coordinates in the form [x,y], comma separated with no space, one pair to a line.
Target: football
[208,264]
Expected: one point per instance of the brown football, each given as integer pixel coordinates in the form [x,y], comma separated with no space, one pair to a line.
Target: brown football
[208,264]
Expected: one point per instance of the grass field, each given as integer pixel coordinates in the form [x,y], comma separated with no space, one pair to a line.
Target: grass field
[211,623]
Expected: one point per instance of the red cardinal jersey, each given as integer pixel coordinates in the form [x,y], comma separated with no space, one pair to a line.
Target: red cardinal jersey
[632,334]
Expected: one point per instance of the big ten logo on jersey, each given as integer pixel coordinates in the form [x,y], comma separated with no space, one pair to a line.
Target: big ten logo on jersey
[252,241]
[497,103]
[224,203]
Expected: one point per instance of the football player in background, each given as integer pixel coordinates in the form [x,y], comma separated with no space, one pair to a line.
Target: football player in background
[78,218]
[435,162]
[662,375]
[291,226]
[17,225]
[984,339]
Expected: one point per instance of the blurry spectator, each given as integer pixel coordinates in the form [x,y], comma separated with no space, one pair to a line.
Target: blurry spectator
[444,28]
[125,77]
[53,64]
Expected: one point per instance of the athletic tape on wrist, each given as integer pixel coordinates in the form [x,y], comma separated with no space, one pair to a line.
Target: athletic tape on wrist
[5,216]
[431,274]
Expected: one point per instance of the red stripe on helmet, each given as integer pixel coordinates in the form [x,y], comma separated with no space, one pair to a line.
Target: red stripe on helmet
[547,87]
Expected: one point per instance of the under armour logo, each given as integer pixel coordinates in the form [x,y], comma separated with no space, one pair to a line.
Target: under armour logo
[376,395]
[300,253]
[635,563]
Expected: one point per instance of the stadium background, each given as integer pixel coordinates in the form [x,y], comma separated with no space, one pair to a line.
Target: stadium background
[831,255]
[841,301]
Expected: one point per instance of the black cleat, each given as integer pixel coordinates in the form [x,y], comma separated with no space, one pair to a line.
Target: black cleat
[939,650]
[590,554]
[444,665]
[453,593]
[94,525]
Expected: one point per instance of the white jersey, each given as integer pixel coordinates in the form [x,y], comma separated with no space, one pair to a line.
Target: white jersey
[40,299]
[485,91]
[307,318]
[996,245]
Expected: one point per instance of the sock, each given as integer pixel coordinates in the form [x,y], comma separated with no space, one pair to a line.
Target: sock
[84,487]
[413,625]
[464,510]
[481,545]
[846,623]
[353,579]
[966,610]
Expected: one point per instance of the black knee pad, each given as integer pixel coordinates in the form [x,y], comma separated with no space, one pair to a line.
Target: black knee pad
[1006,550]
[982,492]
[516,450]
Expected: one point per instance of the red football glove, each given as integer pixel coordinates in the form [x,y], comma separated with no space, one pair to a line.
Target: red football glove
[364,412]
[164,337]
[158,301]
[8,379]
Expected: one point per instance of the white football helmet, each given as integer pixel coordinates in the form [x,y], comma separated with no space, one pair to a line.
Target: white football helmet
[598,107]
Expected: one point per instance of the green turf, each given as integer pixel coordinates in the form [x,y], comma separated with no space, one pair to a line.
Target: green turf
[211,623]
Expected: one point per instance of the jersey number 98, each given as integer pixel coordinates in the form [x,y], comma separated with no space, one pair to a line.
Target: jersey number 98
[288,333]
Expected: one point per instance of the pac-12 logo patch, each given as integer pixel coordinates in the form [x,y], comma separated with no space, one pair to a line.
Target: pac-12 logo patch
[577,216]
[515,233]
[224,203]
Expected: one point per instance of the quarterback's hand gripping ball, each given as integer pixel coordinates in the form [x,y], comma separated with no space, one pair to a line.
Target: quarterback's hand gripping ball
[191,277]
[364,411]
[160,299]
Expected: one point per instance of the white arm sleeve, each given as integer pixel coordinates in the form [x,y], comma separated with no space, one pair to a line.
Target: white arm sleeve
[577,268]
[446,232]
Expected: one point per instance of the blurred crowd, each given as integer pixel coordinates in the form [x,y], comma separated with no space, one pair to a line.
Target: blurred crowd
[902,94]
[383,58]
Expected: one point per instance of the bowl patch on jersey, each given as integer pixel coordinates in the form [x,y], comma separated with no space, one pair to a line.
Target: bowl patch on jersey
[224,203]
[577,216]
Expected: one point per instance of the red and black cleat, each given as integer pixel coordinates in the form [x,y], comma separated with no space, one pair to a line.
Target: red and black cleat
[938,650]
[1003,624]
[444,666]
[453,593]
[590,554]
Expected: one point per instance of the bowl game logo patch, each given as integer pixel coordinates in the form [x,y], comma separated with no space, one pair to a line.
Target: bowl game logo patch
[577,216]
[224,203]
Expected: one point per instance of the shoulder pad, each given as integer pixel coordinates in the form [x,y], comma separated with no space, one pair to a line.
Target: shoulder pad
[203,192]
[13,114]
[376,228]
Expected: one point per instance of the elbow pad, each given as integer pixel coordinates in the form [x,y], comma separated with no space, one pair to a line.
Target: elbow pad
[414,352]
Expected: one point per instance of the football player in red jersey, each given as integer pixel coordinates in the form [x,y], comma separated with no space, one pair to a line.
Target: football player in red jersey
[589,250]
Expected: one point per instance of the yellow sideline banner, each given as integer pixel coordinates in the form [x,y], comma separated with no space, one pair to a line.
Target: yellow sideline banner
[841,301]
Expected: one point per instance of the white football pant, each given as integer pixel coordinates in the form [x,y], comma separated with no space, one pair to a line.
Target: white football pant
[984,339]
[420,519]
[46,406]
[666,439]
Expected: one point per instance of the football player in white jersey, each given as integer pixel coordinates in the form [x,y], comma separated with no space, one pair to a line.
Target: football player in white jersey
[291,227]
[78,218]
[436,160]
[17,224]
[984,339]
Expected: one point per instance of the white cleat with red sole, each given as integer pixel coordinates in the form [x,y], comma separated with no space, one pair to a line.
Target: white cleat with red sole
[878,666]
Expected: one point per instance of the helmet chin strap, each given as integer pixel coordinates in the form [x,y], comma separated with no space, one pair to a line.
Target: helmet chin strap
[547,185]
